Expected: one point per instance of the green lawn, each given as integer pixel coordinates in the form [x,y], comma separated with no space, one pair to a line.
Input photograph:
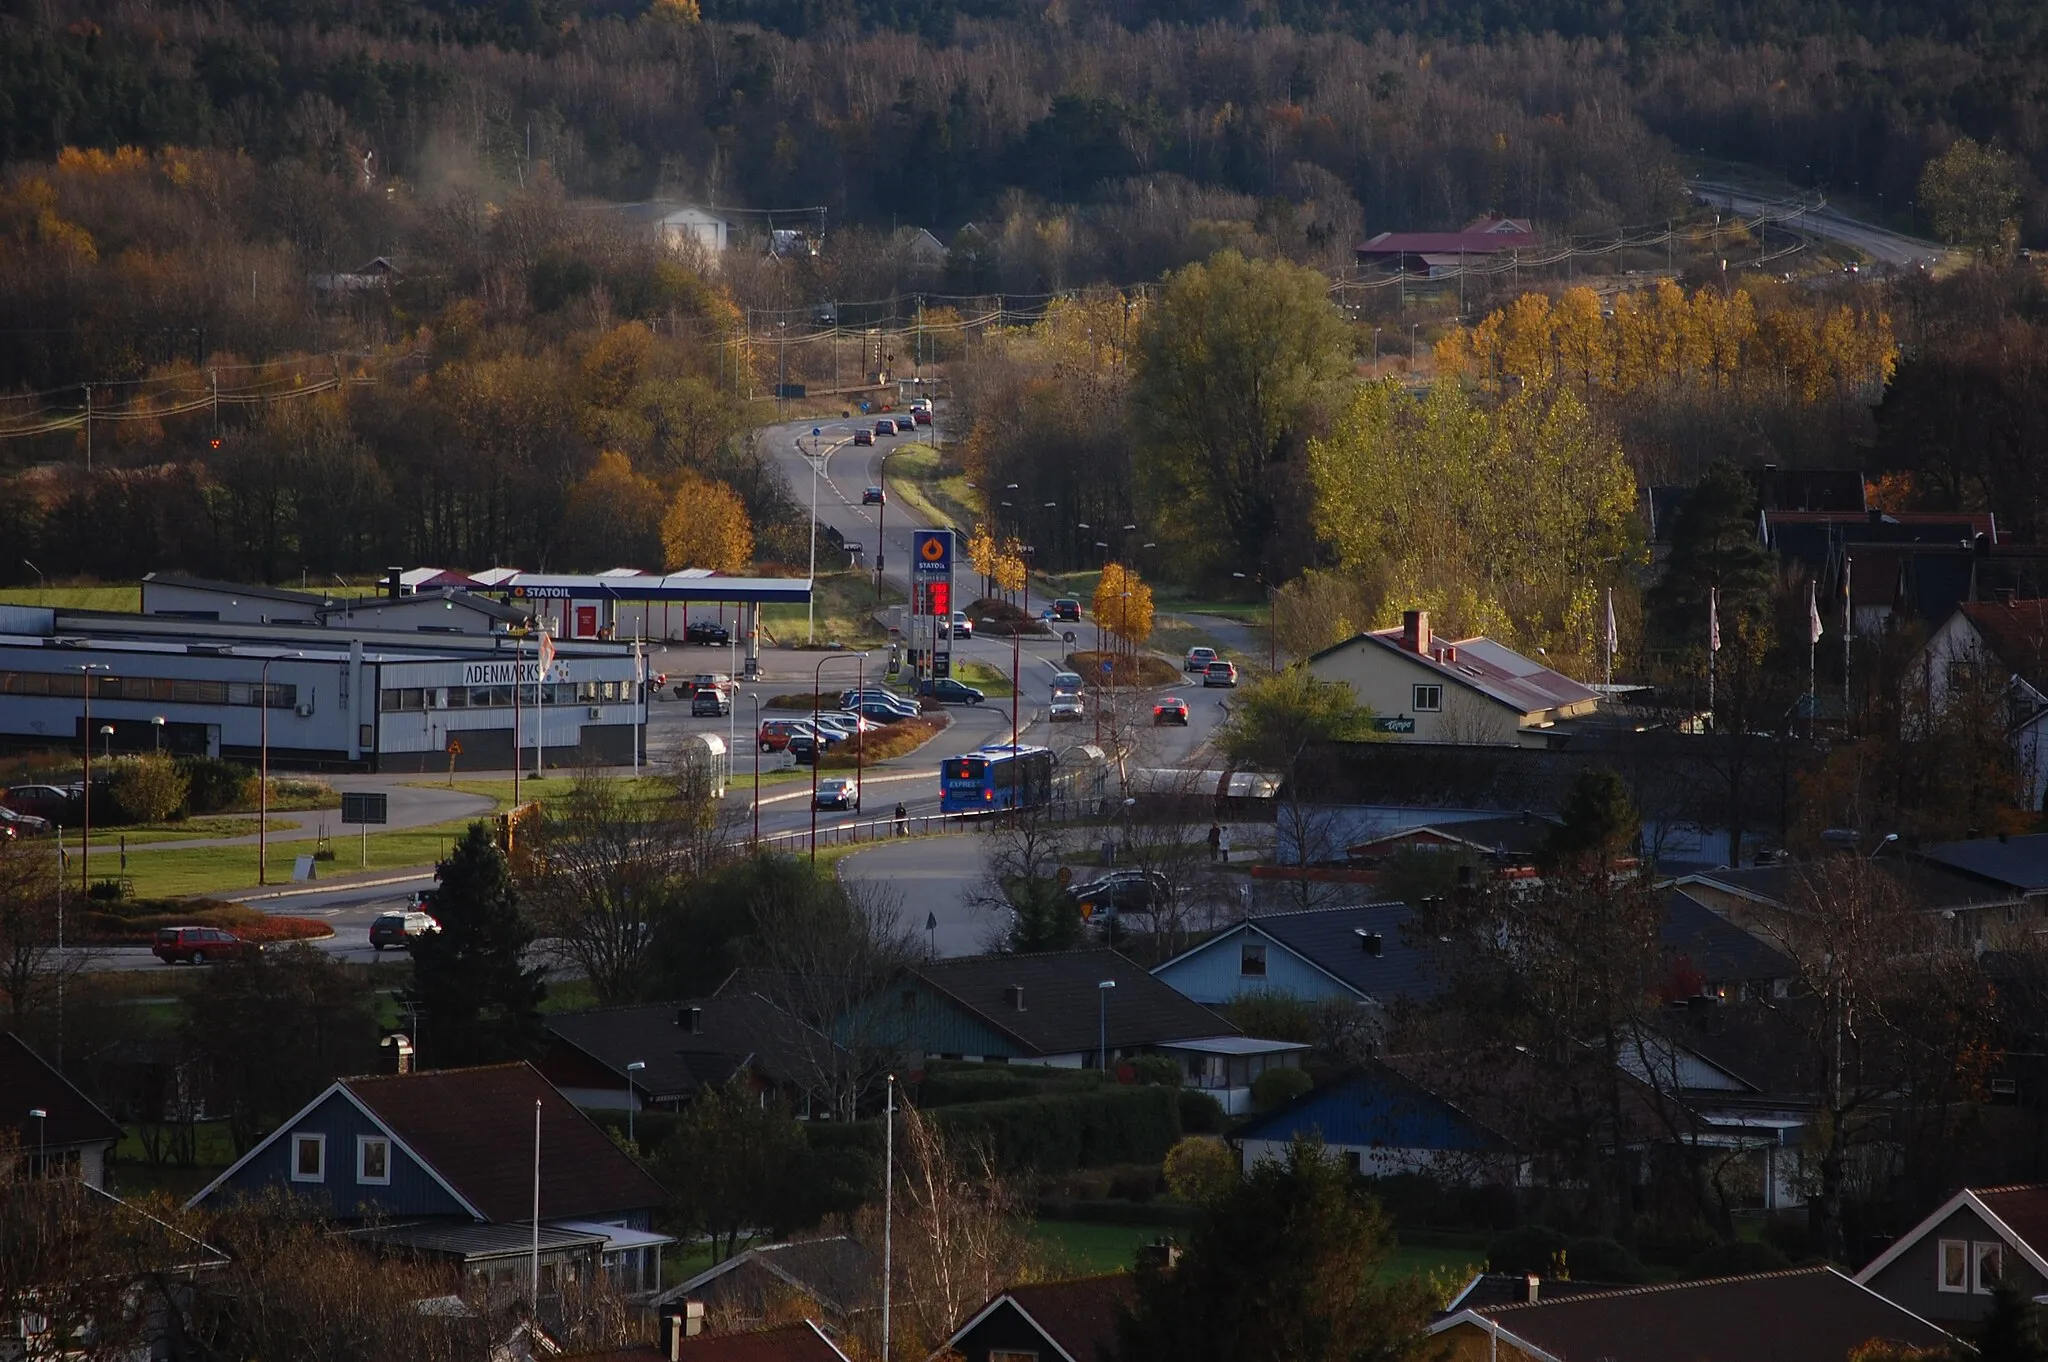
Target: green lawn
[845,603]
[915,478]
[991,681]
[192,829]
[97,597]
[211,870]
[1087,1247]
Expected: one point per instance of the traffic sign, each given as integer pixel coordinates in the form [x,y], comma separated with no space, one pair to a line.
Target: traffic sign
[942,664]
[1107,668]
[365,808]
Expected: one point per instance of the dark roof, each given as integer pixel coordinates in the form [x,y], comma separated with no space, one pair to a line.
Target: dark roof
[2024,1209]
[1483,236]
[1080,1316]
[1923,885]
[263,593]
[1508,1288]
[1714,946]
[735,1030]
[1059,1014]
[840,1273]
[474,1127]
[1376,1106]
[1661,508]
[31,1084]
[2015,863]
[1807,489]
[1329,939]
[1812,1314]
[2016,632]
[468,600]
[802,1342]
[1519,835]
[1494,670]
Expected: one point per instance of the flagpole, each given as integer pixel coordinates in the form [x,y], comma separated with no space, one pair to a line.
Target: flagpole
[1609,639]
[1713,647]
[518,718]
[540,699]
[1812,653]
[1848,627]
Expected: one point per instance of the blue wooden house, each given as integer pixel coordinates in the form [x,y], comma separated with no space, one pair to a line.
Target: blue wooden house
[443,1165]
[1358,955]
[1381,1123]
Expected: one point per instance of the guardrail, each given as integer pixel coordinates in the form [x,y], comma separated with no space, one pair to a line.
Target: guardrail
[889,829]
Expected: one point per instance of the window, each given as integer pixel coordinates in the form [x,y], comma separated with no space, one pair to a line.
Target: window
[1353,1162]
[908,1001]
[1251,959]
[373,1159]
[1955,1265]
[309,1158]
[1427,699]
[1988,1260]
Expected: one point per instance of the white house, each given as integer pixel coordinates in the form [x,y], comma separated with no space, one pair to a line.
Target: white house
[1998,648]
[708,230]
[1473,690]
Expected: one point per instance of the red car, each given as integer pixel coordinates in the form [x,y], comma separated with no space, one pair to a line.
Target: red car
[197,945]
[1171,710]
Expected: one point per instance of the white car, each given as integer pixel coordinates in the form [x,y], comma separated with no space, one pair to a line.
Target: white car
[837,792]
[963,627]
[1065,709]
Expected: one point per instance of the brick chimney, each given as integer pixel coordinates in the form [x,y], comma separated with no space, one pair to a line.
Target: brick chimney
[1415,631]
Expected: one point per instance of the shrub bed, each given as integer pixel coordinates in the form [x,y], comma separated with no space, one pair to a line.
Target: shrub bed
[1072,1130]
[1141,671]
[994,616]
[895,740]
[803,700]
[135,922]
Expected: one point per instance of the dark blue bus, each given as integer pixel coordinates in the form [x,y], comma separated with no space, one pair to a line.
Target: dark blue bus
[997,776]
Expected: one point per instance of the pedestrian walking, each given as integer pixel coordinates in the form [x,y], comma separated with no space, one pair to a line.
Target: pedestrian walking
[902,820]
[1215,840]
[1223,844]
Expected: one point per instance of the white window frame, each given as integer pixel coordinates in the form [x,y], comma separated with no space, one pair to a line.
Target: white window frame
[318,1141]
[363,1143]
[1433,691]
[1961,1248]
[1981,1250]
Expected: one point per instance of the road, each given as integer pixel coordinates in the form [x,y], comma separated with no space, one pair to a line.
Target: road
[1879,243]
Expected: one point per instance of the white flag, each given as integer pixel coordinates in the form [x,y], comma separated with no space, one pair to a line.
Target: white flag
[547,654]
[1812,615]
[1613,637]
[1713,620]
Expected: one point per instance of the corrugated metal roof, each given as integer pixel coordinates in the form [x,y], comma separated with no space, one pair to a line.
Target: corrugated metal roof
[1494,670]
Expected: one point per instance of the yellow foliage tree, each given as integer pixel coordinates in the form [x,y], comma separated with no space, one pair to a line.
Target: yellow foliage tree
[675,12]
[1123,605]
[613,517]
[1009,566]
[706,527]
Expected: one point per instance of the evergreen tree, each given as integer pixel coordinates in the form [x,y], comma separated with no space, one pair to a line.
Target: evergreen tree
[1714,547]
[1284,1266]
[480,1000]
[1600,824]
[2010,1332]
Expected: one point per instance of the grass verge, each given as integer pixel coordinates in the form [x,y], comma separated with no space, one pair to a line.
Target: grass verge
[1143,670]
[920,476]
[180,873]
[191,830]
[846,606]
[990,681]
[81,596]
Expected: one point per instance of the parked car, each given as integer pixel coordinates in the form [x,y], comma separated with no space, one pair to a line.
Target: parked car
[1219,674]
[52,803]
[715,635]
[856,699]
[14,826]
[419,900]
[1065,709]
[1123,891]
[885,426]
[803,749]
[1198,659]
[712,703]
[837,792]
[864,436]
[774,734]
[401,929]
[947,691]
[197,945]
[1066,609]
[712,681]
[963,627]
[873,496]
[882,711]
[1171,710]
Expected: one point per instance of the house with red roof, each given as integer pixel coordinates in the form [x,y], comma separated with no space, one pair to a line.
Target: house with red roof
[1998,647]
[1946,1267]
[1423,688]
[1435,253]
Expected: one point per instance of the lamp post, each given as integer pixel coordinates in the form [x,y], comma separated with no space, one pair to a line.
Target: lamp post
[1102,1023]
[818,743]
[86,669]
[632,1098]
[755,696]
[107,742]
[157,722]
[42,1119]
[882,521]
[263,769]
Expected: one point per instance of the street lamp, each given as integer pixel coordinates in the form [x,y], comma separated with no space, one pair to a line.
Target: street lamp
[157,722]
[632,1100]
[42,1119]
[263,767]
[1102,1023]
[86,669]
[107,741]
[1889,838]
[755,696]
[818,743]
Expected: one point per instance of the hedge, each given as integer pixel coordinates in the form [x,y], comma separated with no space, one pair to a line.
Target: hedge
[134,922]
[1071,1130]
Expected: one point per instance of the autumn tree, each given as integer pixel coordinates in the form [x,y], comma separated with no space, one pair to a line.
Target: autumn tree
[706,526]
[1973,194]
[1233,359]
[1287,1265]
[613,517]
[1123,605]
